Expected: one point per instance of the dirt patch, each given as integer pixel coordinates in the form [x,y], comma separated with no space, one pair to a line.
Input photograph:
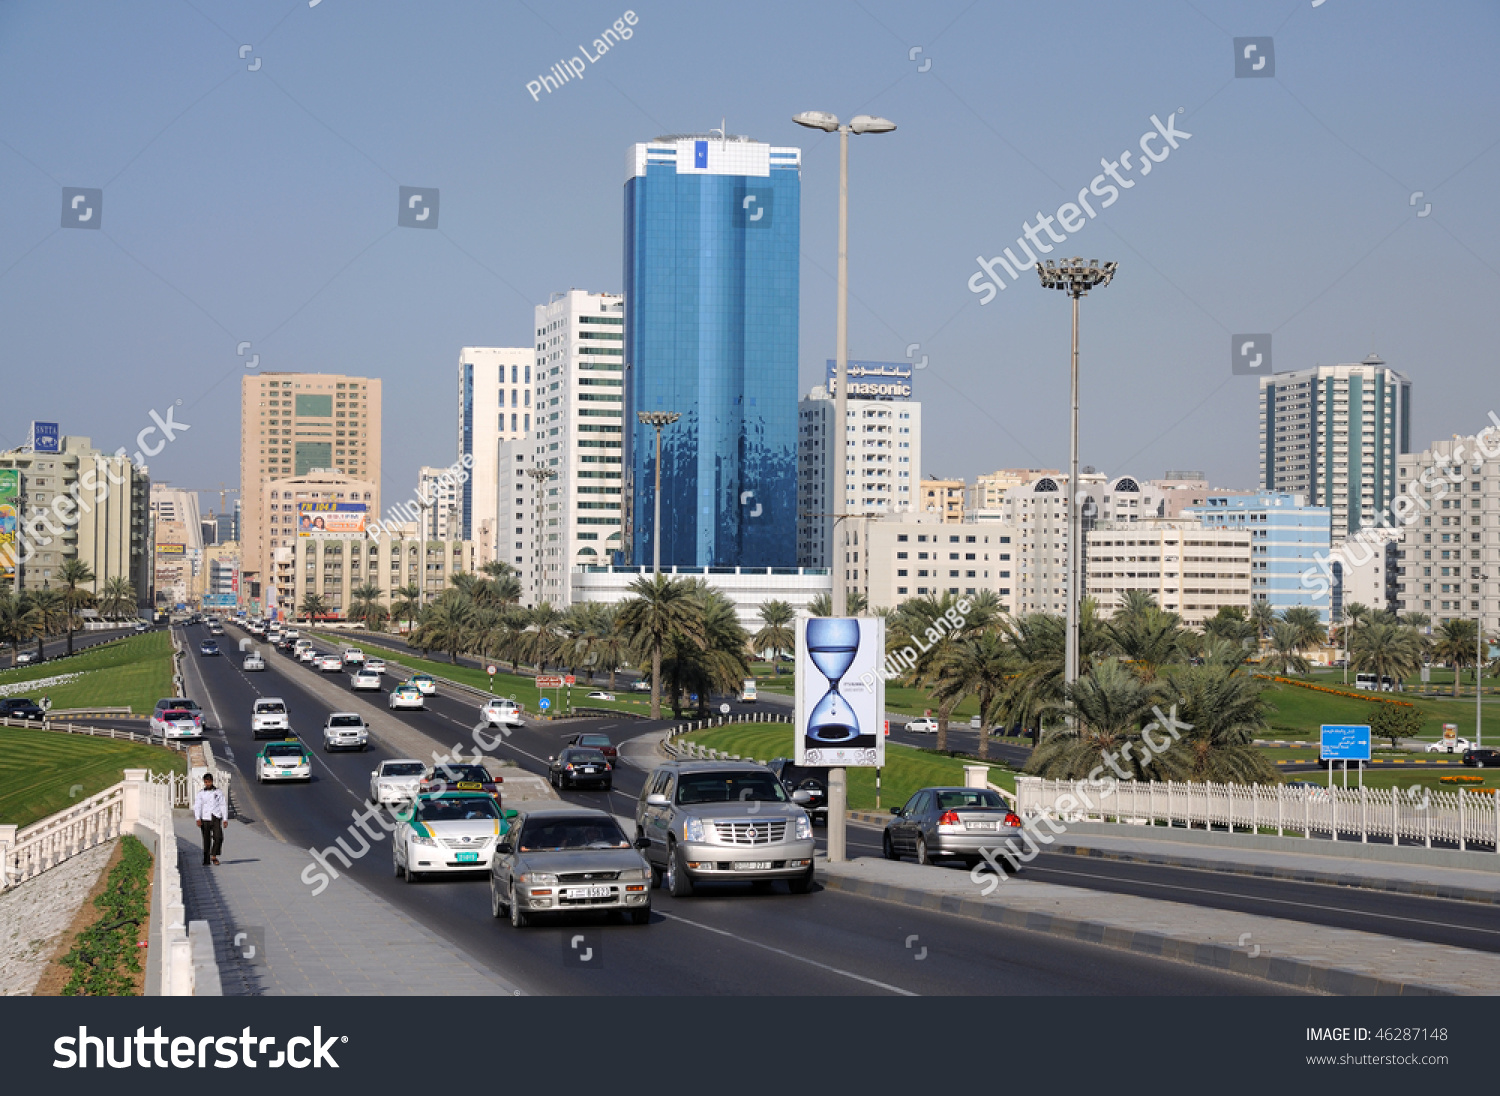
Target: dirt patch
[56,976]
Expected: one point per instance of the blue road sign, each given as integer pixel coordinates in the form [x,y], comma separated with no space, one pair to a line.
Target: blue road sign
[1346,742]
[545,703]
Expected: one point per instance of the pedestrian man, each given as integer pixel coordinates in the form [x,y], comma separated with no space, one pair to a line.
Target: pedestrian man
[212,812]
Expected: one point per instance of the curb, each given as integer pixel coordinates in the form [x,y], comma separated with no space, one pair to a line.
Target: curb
[1289,875]
[1298,973]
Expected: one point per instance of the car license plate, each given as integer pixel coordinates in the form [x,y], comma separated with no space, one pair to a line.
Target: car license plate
[590,769]
[469,786]
[979,825]
[752,865]
[468,857]
[587,892]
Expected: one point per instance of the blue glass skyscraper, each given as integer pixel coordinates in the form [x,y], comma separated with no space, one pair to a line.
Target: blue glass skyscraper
[712,228]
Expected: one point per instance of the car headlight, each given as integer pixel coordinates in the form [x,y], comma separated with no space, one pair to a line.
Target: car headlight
[693,830]
[804,828]
[537,879]
[635,876]
[418,839]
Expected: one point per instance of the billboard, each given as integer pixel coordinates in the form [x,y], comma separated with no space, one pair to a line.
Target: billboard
[330,517]
[171,549]
[840,703]
[45,437]
[874,380]
[10,518]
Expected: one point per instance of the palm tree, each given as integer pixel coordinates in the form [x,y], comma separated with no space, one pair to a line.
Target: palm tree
[923,625]
[74,573]
[717,665]
[497,568]
[1109,706]
[822,605]
[1386,650]
[1262,617]
[975,665]
[365,600]
[611,646]
[659,607]
[313,606]
[406,603]
[118,598]
[1457,644]
[1286,648]
[1419,621]
[1223,705]
[1136,603]
[13,627]
[776,635]
[46,614]
[446,624]
[1309,625]
[1148,638]
[1230,623]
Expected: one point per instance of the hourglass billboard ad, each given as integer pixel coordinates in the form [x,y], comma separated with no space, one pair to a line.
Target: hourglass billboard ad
[840,708]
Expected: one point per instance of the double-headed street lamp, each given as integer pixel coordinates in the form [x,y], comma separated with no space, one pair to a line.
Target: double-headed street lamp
[1075,278]
[657,419]
[539,476]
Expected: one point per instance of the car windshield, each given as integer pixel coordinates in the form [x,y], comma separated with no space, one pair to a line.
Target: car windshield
[345,721]
[176,713]
[593,740]
[583,757]
[465,773]
[972,797]
[403,768]
[176,702]
[584,832]
[270,707]
[457,810]
[728,787]
[284,749]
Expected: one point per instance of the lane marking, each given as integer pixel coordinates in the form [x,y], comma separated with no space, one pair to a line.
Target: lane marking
[792,955]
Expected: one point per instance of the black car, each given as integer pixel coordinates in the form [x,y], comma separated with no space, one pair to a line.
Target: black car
[20,707]
[208,647]
[1484,758]
[806,784]
[455,776]
[580,766]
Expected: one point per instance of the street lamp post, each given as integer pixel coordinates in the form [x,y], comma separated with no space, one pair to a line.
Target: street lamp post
[1479,666]
[539,476]
[1074,278]
[657,419]
[838,791]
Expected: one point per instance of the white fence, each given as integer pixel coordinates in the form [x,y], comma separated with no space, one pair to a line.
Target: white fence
[1461,817]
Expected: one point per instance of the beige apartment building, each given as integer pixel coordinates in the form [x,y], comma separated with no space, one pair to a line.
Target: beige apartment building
[333,565]
[901,556]
[944,497]
[1191,571]
[292,424]
[299,507]
[989,490]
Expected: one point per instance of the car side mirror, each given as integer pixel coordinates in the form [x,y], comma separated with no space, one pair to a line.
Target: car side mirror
[510,814]
[642,842]
[801,795]
[504,846]
[374,772]
[656,799]
[896,811]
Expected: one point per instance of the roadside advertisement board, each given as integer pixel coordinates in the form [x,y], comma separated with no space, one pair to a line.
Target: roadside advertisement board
[171,549]
[330,517]
[840,701]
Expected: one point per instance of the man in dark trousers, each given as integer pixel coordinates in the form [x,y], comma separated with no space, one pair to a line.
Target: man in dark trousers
[212,812]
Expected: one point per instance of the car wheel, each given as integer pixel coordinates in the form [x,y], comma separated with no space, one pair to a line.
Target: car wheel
[803,883]
[519,918]
[411,876]
[395,864]
[888,848]
[641,917]
[922,856]
[678,883]
[497,907]
[609,785]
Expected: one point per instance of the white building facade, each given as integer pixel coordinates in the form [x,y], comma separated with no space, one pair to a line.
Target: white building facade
[494,406]
[901,556]
[1189,570]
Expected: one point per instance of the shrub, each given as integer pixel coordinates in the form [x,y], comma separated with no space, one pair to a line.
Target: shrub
[104,958]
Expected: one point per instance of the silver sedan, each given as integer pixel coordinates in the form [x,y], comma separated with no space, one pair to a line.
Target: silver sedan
[568,860]
[950,823]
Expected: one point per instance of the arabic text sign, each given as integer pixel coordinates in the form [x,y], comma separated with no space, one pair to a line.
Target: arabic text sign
[874,380]
[547,681]
[1346,742]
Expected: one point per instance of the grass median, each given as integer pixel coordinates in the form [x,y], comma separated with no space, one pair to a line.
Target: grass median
[134,672]
[906,769]
[42,772]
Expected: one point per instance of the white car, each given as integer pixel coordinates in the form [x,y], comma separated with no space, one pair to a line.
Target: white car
[345,731]
[1449,746]
[501,713]
[922,725]
[601,696]
[353,656]
[268,718]
[365,680]
[284,760]
[307,654]
[396,781]
[253,661]
[405,698]
[452,832]
[330,664]
[290,633]
[174,724]
[424,683]
[25,658]
[375,665]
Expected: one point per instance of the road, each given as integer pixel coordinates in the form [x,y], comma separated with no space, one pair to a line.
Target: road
[55,648]
[731,941]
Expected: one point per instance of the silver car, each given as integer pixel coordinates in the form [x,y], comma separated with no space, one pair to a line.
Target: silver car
[722,821]
[568,860]
[950,823]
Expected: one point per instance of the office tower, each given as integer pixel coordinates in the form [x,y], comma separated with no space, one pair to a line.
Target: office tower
[898,556]
[295,424]
[1333,433]
[884,458]
[494,405]
[712,226]
[580,346]
[439,500]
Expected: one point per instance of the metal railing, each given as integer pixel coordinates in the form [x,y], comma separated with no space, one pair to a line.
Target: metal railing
[85,729]
[1462,817]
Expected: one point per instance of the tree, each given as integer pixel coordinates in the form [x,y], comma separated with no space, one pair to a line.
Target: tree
[822,605]
[313,606]
[447,624]
[118,598]
[1386,650]
[1223,706]
[46,614]
[365,604]
[13,627]
[1457,644]
[660,606]
[1262,617]
[1110,707]
[1286,649]
[716,665]
[1149,639]
[406,603]
[925,626]
[1395,722]
[1308,625]
[73,574]
[973,665]
[1230,623]
[776,635]
[1419,621]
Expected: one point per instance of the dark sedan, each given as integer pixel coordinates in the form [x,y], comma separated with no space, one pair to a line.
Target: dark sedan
[1484,758]
[20,707]
[806,784]
[208,647]
[580,766]
[598,742]
[456,777]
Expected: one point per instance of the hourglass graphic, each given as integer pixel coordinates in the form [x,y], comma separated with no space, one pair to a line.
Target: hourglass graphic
[832,644]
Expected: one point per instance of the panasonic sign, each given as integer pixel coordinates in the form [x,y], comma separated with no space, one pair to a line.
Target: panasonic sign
[874,380]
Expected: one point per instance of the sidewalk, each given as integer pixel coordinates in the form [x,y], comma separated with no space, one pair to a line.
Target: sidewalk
[272,936]
[1313,957]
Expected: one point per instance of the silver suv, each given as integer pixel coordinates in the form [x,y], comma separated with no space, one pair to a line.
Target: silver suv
[718,821]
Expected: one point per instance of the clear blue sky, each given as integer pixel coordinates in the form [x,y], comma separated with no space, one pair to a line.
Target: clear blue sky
[259,206]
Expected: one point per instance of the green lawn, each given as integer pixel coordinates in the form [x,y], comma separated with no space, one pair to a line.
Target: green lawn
[40,771]
[907,768]
[1300,712]
[135,671]
[1395,778]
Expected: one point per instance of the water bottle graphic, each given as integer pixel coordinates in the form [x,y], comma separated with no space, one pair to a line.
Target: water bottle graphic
[832,644]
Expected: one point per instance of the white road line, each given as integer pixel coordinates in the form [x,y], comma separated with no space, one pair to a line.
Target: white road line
[792,955]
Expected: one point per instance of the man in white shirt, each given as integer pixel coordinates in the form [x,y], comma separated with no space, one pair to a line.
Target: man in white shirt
[212,812]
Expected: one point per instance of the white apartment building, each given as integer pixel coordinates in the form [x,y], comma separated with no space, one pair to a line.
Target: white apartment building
[443,506]
[883,459]
[1334,433]
[520,535]
[282,503]
[494,406]
[1448,557]
[1190,570]
[901,556]
[580,363]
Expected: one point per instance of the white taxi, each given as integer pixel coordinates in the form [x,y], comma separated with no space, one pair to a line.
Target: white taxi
[451,832]
[405,698]
[284,760]
[424,683]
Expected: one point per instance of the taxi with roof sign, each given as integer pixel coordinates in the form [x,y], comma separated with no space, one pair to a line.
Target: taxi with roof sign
[447,833]
[287,759]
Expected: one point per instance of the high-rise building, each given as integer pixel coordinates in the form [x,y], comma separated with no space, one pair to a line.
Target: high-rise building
[899,556]
[520,535]
[1287,538]
[315,505]
[494,406]
[884,458]
[1333,433]
[293,424]
[580,347]
[440,501]
[712,230]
